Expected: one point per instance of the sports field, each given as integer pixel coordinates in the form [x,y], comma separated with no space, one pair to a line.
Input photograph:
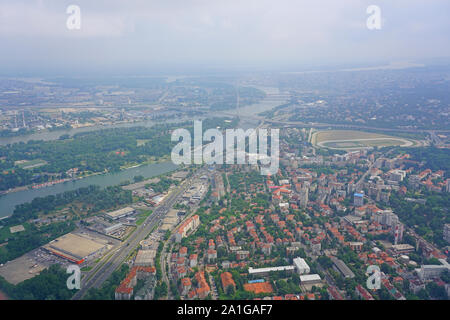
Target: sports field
[350,140]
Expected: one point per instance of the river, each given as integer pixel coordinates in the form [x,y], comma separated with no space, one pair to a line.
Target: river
[9,201]
[47,135]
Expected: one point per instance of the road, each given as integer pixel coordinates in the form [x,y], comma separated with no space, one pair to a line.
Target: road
[345,126]
[165,262]
[166,252]
[361,180]
[214,294]
[115,259]
[325,125]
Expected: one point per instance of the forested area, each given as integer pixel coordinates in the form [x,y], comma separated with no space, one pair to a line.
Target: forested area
[429,217]
[93,196]
[163,184]
[32,238]
[96,151]
[433,158]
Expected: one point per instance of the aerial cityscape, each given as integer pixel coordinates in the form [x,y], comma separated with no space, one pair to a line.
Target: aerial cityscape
[94,206]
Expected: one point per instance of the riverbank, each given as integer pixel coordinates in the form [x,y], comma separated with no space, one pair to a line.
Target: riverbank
[9,201]
[47,135]
[52,183]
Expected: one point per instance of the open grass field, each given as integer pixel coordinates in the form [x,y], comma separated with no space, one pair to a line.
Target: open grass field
[141,218]
[349,140]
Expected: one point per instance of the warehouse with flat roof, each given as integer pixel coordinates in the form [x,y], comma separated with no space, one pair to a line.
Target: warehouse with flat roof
[75,247]
[114,215]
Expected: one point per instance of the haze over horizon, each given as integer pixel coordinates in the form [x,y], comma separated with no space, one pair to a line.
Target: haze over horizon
[139,36]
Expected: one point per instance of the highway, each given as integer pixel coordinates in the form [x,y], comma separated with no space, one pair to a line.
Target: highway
[347,126]
[165,261]
[115,259]
[166,253]
[326,125]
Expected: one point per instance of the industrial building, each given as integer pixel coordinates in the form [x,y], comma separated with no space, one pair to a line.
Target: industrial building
[113,228]
[103,225]
[76,248]
[121,213]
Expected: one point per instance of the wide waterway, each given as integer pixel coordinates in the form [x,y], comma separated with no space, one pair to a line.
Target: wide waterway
[47,135]
[9,201]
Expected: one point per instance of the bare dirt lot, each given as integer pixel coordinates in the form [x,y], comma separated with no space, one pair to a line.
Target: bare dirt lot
[20,269]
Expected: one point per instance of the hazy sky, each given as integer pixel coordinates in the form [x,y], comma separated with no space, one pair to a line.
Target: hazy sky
[156,34]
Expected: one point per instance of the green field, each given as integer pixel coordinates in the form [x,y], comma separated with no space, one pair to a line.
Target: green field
[141,218]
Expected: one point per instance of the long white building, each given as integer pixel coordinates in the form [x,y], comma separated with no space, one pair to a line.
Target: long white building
[266,271]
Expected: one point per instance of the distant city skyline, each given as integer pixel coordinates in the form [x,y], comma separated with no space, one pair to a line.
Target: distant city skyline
[144,36]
